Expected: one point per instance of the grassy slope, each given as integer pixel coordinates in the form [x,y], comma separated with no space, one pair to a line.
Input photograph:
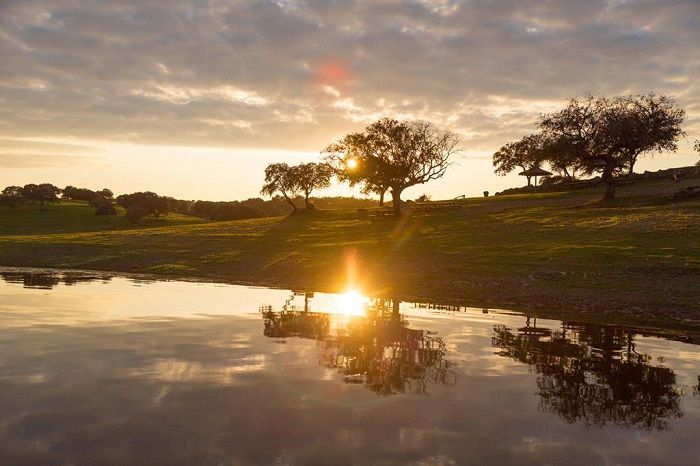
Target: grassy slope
[558,253]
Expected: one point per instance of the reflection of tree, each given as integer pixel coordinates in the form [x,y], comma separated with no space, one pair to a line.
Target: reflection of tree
[47,280]
[592,374]
[378,350]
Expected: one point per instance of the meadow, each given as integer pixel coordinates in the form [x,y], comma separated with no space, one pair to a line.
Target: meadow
[558,254]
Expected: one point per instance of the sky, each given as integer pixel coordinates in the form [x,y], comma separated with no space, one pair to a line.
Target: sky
[194,98]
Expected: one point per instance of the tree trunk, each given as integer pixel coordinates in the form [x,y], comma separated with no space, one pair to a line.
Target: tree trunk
[290,202]
[381,198]
[609,190]
[396,200]
[306,201]
[609,181]
[528,181]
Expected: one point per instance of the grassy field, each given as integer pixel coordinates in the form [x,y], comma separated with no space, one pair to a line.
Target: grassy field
[561,254]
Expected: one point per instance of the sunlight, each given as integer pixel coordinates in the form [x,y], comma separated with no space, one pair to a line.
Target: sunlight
[352,302]
[351,164]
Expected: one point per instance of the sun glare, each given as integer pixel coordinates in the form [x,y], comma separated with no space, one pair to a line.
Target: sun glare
[350,303]
[351,164]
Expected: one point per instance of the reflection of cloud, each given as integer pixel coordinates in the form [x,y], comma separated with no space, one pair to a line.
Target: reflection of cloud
[176,370]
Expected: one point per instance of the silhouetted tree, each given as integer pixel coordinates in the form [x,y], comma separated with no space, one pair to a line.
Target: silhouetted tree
[12,197]
[105,208]
[153,203]
[310,176]
[135,213]
[279,178]
[645,123]
[41,193]
[608,135]
[697,149]
[525,153]
[392,154]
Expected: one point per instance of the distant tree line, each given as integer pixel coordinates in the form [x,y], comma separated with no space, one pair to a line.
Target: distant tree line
[141,204]
[14,196]
[597,135]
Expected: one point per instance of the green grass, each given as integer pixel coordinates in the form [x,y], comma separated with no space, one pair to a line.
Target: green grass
[73,216]
[553,254]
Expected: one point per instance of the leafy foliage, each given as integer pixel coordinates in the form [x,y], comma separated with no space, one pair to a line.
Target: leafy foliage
[153,203]
[392,154]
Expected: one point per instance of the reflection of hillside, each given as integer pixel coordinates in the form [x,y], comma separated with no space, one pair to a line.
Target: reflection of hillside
[592,374]
[48,280]
[377,350]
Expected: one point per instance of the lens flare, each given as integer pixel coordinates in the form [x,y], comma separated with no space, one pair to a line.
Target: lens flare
[350,303]
[351,164]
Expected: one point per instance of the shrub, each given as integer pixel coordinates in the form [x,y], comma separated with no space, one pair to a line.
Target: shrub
[135,213]
[105,208]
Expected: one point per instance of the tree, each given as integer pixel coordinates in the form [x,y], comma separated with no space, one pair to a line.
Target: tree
[41,193]
[105,208]
[135,213]
[279,178]
[309,176]
[154,204]
[645,123]
[392,154]
[608,135]
[12,197]
[526,153]
[697,149]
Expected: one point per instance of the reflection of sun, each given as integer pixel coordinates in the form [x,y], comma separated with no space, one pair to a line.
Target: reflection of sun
[350,303]
[351,164]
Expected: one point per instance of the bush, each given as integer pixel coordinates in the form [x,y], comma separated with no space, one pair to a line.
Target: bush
[135,213]
[105,208]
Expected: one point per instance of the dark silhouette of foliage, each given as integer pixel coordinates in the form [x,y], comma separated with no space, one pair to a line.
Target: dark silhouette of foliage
[593,374]
[41,193]
[94,198]
[308,177]
[153,203]
[697,149]
[377,350]
[279,178]
[527,153]
[135,213]
[12,197]
[105,208]
[608,135]
[392,154]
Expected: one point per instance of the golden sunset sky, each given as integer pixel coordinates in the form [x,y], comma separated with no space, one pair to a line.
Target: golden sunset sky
[193,98]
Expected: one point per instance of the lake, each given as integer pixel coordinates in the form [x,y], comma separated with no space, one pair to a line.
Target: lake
[103,369]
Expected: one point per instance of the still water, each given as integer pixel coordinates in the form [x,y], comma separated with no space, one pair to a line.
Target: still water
[102,369]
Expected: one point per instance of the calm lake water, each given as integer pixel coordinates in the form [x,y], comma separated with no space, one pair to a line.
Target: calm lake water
[101,369]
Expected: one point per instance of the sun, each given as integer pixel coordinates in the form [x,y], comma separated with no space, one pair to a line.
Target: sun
[351,164]
[350,303]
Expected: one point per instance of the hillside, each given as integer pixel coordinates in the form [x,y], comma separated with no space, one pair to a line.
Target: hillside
[552,253]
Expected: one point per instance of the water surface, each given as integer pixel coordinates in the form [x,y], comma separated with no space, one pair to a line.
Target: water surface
[102,369]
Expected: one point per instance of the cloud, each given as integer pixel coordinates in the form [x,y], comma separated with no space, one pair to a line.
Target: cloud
[296,74]
[33,160]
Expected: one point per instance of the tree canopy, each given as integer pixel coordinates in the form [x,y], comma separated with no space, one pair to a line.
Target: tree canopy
[608,135]
[308,177]
[394,155]
[279,179]
[598,134]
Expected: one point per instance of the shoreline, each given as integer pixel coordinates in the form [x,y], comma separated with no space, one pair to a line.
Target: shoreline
[642,321]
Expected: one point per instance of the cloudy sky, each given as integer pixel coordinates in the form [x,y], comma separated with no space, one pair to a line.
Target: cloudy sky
[193,98]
